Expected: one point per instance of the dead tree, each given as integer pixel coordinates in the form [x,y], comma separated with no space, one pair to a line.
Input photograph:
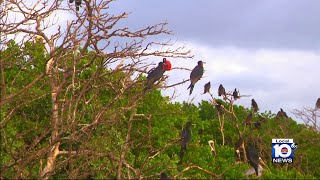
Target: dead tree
[310,116]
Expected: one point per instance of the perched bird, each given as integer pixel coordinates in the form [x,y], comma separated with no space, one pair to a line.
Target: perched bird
[248,119]
[281,114]
[254,105]
[219,107]
[318,104]
[207,87]
[212,147]
[185,139]
[239,145]
[164,176]
[257,124]
[221,90]
[167,64]
[77,3]
[155,75]
[262,119]
[196,75]
[235,94]
[253,157]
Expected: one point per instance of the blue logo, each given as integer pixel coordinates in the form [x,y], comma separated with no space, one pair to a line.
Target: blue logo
[283,150]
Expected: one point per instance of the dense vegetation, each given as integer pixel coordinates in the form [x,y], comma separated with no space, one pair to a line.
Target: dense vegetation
[138,131]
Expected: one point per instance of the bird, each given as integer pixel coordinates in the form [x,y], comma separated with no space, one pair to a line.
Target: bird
[207,87]
[254,105]
[221,90]
[164,176]
[253,157]
[235,94]
[318,104]
[155,75]
[196,75]
[262,119]
[167,64]
[239,144]
[281,114]
[77,3]
[248,119]
[219,107]
[257,124]
[185,139]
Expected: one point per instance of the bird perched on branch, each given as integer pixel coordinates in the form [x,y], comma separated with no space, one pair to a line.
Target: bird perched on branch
[196,75]
[249,119]
[254,105]
[155,75]
[318,104]
[219,107]
[235,94]
[281,114]
[185,138]
[253,157]
[257,124]
[77,3]
[207,87]
[221,90]
[239,147]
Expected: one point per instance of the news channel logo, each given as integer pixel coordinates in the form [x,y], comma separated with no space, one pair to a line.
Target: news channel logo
[283,150]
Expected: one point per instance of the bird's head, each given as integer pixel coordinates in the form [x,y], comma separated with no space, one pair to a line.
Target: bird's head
[200,63]
[188,125]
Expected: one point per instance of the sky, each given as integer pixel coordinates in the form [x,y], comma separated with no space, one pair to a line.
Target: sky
[267,49]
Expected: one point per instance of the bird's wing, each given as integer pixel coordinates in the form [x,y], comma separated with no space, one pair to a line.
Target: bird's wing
[197,72]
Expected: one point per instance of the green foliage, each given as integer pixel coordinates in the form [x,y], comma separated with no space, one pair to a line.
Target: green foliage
[154,145]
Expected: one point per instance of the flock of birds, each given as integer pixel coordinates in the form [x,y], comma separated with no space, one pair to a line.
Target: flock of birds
[196,74]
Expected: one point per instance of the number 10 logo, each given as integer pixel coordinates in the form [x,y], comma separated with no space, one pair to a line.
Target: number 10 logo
[283,150]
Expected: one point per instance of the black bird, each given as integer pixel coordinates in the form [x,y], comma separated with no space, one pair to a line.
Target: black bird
[257,124]
[164,176]
[253,157]
[248,119]
[185,139]
[235,94]
[318,104]
[77,3]
[155,75]
[196,75]
[254,105]
[207,87]
[262,119]
[221,90]
[281,114]
[219,107]
[238,146]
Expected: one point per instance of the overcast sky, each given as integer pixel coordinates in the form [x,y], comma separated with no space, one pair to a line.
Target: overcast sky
[269,49]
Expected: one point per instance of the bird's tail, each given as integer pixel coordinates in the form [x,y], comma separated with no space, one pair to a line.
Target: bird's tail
[191,88]
[182,150]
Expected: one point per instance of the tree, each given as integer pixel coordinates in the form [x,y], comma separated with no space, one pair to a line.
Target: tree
[310,116]
[70,67]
